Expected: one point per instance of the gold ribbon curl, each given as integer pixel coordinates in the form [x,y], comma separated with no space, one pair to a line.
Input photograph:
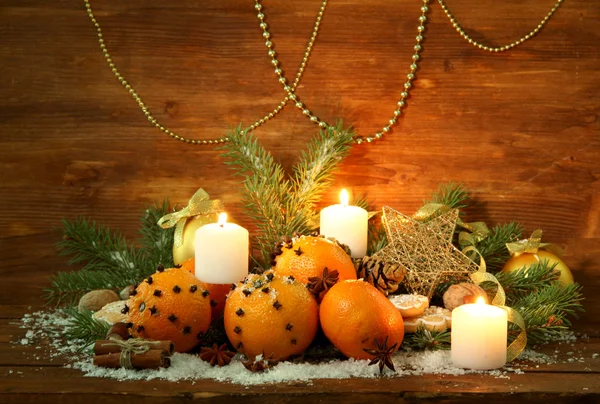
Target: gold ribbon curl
[532,245]
[520,342]
[199,204]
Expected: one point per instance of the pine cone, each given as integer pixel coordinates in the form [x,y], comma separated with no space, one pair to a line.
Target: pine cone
[386,277]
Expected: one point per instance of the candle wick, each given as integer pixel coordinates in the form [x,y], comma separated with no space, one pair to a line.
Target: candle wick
[222,225]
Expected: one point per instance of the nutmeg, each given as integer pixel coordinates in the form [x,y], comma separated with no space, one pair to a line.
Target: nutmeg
[96,299]
[462,293]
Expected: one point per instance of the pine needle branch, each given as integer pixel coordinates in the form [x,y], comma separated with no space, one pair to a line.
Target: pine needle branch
[83,327]
[424,339]
[312,174]
[98,247]
[493,247]
[68,287]
[450,194]
[546,312]
[156,243]
[281,207]
[527,280]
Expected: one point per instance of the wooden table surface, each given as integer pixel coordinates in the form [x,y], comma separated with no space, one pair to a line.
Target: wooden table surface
[28,374]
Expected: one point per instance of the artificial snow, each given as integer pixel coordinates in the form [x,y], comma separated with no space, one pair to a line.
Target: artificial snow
[50,326]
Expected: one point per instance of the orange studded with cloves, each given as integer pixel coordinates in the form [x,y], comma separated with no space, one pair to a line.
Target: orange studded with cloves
[271,315]
[173,305]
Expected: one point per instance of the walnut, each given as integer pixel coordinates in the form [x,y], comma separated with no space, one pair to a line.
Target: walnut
[462,293]
[96,299]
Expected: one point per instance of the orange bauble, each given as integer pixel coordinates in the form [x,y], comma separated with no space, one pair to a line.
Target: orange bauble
[271,315]
[170,305]
[308,256]
[354,313]
[525,259]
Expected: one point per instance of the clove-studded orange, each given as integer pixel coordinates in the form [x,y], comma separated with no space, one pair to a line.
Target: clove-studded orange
[308,256]
[275,316]
[170,305]
[218,292]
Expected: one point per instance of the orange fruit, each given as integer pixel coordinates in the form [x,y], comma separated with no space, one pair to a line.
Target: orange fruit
[271,315]
[218,292]
[308,256]
[170,305]
[354,313]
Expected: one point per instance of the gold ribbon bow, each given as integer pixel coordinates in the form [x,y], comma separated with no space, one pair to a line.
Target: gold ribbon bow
[518,345]
[199,204]
[532,245]
[134,346]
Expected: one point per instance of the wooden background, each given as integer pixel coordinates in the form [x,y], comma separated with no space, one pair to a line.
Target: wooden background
[520,129]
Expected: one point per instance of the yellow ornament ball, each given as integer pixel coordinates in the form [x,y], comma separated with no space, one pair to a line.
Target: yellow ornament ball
[186,250]
[525,259]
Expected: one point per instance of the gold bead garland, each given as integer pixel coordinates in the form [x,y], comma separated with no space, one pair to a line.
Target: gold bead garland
[155,122]
[311,115]
[500,48]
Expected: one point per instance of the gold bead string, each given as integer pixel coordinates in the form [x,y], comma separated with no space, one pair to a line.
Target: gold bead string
[290,90]
[462,33]
[174,135]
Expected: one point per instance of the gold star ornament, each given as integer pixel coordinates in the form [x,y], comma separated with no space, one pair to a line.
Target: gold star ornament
[425,250]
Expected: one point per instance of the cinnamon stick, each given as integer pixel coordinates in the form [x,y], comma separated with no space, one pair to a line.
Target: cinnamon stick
[103,347]
[152,359]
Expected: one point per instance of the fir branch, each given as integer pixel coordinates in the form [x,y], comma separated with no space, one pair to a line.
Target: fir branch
[156,243]
[493,247]
[546,312]
[82,326]
[527,280]
[450,194]
[424,339]
[98,246]
[313,173]
[282,207]
[68,287]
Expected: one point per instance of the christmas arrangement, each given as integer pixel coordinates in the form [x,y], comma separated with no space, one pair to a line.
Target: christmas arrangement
[351,289]
[191,286]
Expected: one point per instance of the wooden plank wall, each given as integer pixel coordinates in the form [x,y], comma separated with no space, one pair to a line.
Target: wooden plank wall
[521,129]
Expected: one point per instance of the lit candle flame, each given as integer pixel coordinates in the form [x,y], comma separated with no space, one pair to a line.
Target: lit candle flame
[344,198]
[480,300]
[222,219]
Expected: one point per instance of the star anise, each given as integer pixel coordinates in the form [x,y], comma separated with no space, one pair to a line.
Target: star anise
[260,365]
[318,284]
[382,355]
[217,355]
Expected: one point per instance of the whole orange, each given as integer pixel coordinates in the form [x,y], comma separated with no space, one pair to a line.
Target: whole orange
[218,292]
[170,305]
[307,256]
[354,313]
[271,315]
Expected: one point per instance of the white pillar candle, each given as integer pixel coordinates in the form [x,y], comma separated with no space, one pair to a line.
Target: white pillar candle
[221,252]
[348,224]
[479,336]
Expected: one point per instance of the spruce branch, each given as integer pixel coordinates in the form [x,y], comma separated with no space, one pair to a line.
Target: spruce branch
[279,206]
[424,339]
[546,312]
[527,280]
[82,326]
[451,194]
[98,247]
[493,247]
[155,242]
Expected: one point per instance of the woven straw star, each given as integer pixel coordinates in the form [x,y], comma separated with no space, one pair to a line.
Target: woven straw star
[425,250]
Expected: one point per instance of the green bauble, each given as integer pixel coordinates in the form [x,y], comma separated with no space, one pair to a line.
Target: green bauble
[186,249]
